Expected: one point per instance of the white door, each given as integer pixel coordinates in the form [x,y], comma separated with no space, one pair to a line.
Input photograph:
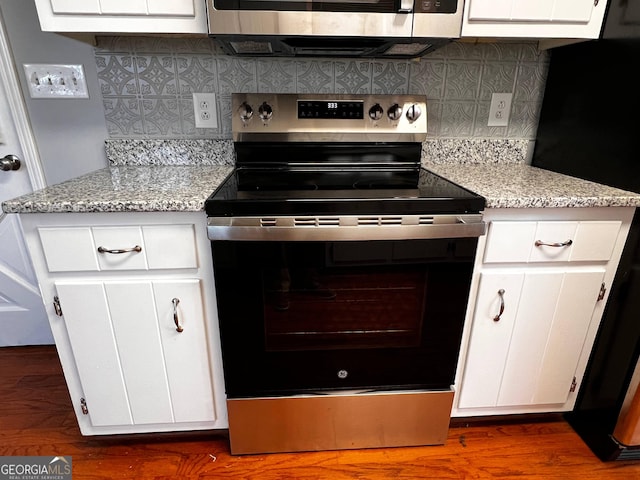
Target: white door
[134,366]
[22,316]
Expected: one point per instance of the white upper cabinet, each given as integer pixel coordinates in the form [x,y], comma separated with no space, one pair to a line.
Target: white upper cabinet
[122,16]
[533,18]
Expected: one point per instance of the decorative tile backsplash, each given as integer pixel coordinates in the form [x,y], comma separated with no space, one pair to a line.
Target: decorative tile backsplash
[147,83]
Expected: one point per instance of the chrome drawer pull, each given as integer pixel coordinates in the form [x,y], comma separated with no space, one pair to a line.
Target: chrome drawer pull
[137,248]
[176,320]
[501,294]
[540,243]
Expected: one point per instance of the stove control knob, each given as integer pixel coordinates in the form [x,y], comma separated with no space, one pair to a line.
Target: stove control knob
[245,111]
[376,112]
[394,112]
[265,111]
[413,113]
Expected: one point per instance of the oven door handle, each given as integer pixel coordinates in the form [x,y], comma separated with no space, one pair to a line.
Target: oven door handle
[345,228]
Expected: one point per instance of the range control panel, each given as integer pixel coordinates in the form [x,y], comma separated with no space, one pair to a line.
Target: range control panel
[336,109]
[325,117]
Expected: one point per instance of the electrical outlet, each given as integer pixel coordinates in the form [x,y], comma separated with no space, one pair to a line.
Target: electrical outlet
[204,109]
[56,81]
[500,109]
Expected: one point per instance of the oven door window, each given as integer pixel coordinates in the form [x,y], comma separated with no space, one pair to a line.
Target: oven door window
[329,307]
[295,316]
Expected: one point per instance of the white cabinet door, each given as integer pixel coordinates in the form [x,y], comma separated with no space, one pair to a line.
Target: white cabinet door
[530,354]
[536,311]
[533,18]
[134,366]
[531,10]
[95,352]
[490,337]
[185,353]
[566,339]
[123,16]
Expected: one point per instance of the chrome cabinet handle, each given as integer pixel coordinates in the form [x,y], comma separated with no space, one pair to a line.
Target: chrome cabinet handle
[176,320]
[540,243]
[137,248]
[501,294]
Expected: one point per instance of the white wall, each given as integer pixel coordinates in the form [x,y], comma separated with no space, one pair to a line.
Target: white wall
[70,132]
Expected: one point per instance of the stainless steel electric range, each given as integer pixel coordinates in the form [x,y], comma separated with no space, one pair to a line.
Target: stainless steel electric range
[342,273]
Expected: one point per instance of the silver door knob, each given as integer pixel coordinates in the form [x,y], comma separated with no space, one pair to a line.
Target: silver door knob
[9,162]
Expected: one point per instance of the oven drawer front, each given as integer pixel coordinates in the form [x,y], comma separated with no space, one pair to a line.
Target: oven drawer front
[93,249]
[327,422]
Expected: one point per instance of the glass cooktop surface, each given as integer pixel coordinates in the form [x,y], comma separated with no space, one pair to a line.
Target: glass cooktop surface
[346,191]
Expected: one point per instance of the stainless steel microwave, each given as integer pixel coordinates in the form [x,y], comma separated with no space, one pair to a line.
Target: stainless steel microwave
[395,28]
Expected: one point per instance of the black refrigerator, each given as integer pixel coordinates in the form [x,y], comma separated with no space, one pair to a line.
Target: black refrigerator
[590,128]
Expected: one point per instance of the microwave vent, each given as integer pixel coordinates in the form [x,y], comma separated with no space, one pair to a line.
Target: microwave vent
[252,47]
[408,49]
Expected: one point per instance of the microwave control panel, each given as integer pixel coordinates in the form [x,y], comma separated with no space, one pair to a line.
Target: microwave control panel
[436,6]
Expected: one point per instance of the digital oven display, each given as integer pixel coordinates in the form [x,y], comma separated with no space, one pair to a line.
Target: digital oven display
[348,110]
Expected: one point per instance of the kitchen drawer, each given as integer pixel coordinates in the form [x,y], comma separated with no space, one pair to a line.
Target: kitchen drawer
[558,241]
[150,247]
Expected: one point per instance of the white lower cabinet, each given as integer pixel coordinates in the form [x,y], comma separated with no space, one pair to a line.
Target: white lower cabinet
[528,354]
[538,293]
[136,328]
[134,366]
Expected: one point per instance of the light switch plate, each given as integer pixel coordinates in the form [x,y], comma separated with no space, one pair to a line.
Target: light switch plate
[56,81]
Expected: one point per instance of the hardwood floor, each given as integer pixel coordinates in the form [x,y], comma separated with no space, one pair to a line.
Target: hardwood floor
[36,419]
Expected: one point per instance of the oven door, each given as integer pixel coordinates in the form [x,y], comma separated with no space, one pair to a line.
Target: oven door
[303,317]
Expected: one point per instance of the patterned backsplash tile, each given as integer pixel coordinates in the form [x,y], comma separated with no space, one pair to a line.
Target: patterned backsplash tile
[146,84]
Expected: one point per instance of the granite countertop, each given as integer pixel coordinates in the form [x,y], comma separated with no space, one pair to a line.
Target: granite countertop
[524,186]
[127,189]
[151,176]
